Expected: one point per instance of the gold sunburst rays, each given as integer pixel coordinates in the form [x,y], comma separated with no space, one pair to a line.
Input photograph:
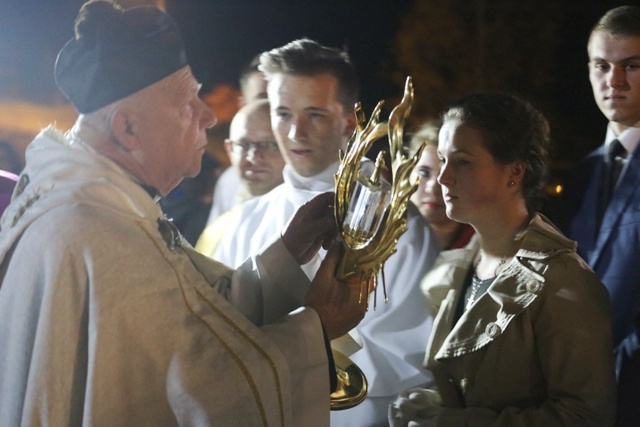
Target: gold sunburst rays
[366,260]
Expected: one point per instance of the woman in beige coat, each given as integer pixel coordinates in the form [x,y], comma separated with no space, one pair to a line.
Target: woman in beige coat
[522,334]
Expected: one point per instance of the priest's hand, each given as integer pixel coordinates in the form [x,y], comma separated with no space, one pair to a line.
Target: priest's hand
[312,226]
[336,302]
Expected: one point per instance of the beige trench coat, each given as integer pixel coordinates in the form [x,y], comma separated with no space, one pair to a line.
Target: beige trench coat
[535,350]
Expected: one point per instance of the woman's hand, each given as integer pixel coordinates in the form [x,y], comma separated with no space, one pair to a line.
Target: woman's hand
[415,407]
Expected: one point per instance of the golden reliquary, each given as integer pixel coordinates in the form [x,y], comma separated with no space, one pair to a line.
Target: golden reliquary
[371,212]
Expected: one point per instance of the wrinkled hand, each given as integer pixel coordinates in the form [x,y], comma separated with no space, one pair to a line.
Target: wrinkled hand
[415,407]
[312,226]
[336,302]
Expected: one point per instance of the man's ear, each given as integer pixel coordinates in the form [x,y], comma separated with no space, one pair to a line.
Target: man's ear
[228,147]
[125,129]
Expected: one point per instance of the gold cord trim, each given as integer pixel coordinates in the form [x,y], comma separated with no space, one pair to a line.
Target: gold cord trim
[234,356]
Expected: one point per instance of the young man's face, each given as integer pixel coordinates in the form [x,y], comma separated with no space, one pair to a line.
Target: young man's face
[614,73]
[308,120]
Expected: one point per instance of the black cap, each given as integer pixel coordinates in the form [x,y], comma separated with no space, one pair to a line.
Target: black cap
[117,52]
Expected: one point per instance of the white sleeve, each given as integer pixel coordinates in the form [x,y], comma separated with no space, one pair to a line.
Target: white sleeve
[264,288]
[276,276]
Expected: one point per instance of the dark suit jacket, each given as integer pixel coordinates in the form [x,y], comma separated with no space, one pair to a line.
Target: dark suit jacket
[613,249]
[613,252]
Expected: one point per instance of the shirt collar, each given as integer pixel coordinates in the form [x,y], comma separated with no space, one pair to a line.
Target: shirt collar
[324,181]
[629,138]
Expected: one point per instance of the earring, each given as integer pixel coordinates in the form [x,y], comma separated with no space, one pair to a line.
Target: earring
[511,183]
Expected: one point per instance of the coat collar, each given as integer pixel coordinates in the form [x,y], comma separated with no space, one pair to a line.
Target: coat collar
[515,288]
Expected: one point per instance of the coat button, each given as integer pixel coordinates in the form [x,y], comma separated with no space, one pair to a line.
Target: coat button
[464,385]
[534,286]
[492,330]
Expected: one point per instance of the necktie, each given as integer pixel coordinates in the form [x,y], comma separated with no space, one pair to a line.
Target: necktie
[614,159]
[616,156]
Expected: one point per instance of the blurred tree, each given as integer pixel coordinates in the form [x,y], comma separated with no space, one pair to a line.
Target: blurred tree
[223,101]
[453,48]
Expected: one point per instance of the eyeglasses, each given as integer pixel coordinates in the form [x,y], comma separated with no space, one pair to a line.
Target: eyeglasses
[240,147]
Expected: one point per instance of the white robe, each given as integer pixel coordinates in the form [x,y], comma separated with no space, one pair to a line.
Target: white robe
[101,323]
[227,193]
[395,334]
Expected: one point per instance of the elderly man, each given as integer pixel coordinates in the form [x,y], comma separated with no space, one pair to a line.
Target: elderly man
[312,90]
[107,317]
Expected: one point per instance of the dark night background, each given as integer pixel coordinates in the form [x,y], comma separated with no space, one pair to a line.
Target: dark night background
[222,35]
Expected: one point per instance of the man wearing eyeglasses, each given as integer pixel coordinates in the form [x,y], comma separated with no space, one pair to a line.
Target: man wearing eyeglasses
[256,162]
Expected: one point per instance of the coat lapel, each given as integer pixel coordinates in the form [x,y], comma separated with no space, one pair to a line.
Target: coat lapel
[584,193]
[515,288]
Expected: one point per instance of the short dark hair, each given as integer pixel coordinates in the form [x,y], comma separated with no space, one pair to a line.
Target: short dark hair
[512,131]
[621,21]
[307,58]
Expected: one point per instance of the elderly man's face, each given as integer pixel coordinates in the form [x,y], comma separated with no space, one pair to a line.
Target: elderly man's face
[173,130]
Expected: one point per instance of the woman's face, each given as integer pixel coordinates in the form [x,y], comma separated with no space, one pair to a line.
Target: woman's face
[428,196]
[474,186]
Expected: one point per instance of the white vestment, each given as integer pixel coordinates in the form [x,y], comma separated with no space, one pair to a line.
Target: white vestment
[227,193]
[106,321]
[395,334]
